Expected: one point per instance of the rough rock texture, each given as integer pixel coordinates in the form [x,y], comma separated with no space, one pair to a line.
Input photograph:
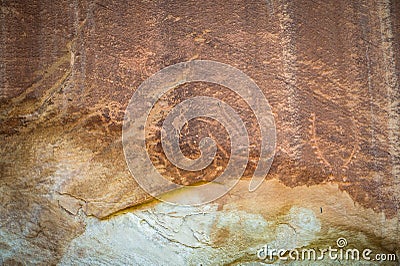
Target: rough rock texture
[329,69]
[231,233]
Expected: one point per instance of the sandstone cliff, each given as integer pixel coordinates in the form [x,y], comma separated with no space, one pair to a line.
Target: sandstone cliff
[329,70]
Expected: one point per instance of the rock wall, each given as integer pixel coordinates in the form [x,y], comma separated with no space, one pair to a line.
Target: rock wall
[329,70]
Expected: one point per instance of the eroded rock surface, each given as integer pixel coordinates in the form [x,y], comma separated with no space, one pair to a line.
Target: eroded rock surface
[223,233]
[330,71]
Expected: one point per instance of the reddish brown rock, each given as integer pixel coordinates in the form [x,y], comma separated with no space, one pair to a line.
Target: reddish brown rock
[330,71]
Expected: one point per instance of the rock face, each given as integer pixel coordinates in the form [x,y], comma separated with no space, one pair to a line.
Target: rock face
[329,70]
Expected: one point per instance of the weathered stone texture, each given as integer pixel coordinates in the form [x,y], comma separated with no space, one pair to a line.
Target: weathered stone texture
[329,69]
